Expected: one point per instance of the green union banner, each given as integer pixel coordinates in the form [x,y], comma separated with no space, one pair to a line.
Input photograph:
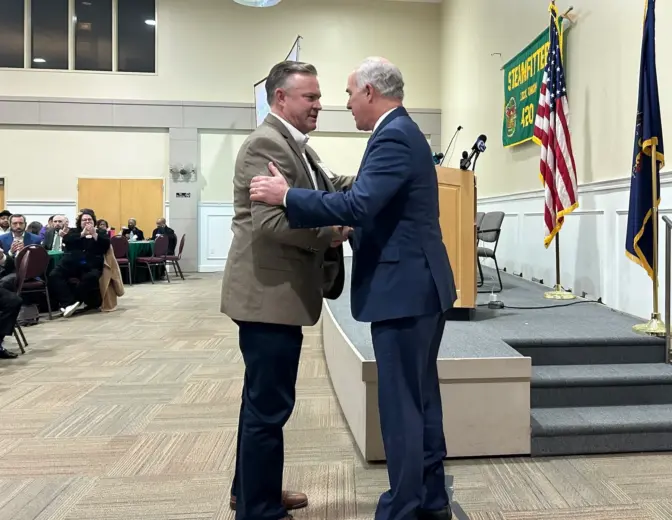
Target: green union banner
[522,81]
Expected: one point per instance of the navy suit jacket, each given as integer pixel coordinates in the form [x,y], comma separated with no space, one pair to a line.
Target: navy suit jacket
[400,265]
[28,240]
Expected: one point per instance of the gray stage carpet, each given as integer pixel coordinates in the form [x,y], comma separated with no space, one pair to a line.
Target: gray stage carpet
[596,387]
[492,332]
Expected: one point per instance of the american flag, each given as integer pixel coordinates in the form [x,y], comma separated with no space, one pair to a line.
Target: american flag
[551,130]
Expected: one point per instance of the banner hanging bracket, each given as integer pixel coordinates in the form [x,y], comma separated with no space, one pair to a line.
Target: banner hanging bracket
[571,18]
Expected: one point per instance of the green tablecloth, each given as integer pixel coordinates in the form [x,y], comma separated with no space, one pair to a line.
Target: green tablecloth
[136,249]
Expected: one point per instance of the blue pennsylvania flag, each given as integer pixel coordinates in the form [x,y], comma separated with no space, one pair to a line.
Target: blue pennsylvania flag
[648,132]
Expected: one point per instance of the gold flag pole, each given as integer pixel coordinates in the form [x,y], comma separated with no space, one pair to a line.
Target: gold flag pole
[655,326]
[558,293]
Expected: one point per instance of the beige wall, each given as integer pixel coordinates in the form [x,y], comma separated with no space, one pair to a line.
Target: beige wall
[215,50]
[341,153]
[602,62]
[43,164]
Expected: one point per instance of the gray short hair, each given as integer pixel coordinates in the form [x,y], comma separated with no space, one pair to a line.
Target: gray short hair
[382,75]
[281,72]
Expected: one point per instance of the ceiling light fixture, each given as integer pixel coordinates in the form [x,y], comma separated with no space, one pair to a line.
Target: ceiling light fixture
[150,22]
[258,3]
[39,60]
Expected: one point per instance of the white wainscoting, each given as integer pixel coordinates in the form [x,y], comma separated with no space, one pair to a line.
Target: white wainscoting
[215,236]
[41,211]
[592,244]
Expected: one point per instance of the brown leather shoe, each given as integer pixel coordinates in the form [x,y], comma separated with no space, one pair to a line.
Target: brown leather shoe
[290,499]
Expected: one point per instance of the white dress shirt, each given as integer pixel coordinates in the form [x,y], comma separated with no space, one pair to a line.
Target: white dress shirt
[382,118]
[301,140]
[20,238]
[57,241]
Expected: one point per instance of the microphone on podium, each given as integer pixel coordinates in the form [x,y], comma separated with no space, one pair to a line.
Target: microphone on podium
[476,150]
[444,155]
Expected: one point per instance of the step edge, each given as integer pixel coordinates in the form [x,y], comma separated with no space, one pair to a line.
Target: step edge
[537,428]
[599,382]
[620,430]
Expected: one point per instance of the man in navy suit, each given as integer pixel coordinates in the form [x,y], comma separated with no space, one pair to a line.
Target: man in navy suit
[17,238]
[402,281]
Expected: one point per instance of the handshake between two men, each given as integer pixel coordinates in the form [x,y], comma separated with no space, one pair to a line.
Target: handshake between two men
[271,288]
[341,234]
[273,190]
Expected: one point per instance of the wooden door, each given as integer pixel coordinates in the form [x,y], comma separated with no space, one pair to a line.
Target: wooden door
[103,197]
[2,193]
[143,200]
[457,206]
[117,200]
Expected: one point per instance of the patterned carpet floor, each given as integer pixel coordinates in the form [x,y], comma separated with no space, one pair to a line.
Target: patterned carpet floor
[133,415]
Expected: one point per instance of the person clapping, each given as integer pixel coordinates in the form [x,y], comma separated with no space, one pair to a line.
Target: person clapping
[84,249]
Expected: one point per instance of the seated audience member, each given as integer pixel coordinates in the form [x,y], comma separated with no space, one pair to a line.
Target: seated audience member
[4,221]
[35,228]
[53,240]
[163,230]
[132,232]
[84,256]
[104,225]
[47,227]
[7,272]
[10,307]
[18,238]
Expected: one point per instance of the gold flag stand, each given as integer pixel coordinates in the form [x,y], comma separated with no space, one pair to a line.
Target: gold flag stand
[655,326]
[558,293]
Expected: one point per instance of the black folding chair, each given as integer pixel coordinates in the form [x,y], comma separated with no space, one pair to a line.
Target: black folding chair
[489,233]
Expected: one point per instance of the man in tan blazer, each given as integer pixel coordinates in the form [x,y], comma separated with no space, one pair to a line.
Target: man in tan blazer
[274,282]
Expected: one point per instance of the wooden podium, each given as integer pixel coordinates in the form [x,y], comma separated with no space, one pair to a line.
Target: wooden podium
[457,207]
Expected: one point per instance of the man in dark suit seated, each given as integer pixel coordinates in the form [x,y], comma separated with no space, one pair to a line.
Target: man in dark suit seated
[53,238]
[162,229]
[84,256]
[10,306]
[18,237]
[7,272]
[132,232]
[402,282]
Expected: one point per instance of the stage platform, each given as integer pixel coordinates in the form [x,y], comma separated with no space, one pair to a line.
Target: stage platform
[491,367]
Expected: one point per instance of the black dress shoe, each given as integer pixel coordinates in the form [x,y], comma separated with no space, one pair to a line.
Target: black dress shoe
[441,514]
[6,354]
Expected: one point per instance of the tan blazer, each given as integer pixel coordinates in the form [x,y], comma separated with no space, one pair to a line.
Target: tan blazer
[110,282]
[275,274]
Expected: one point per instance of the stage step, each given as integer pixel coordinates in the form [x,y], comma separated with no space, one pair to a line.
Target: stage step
[608,429]
[601,385]
[596,352]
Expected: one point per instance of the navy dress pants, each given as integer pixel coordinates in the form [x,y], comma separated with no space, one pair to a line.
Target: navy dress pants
[411,417]
[271,355]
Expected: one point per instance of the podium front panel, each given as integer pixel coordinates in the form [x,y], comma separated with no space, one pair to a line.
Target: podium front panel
[457,206]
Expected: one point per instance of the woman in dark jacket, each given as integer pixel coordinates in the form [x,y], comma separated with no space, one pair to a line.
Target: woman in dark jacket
[84,249]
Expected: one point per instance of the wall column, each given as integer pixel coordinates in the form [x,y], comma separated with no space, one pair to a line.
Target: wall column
[184,194]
